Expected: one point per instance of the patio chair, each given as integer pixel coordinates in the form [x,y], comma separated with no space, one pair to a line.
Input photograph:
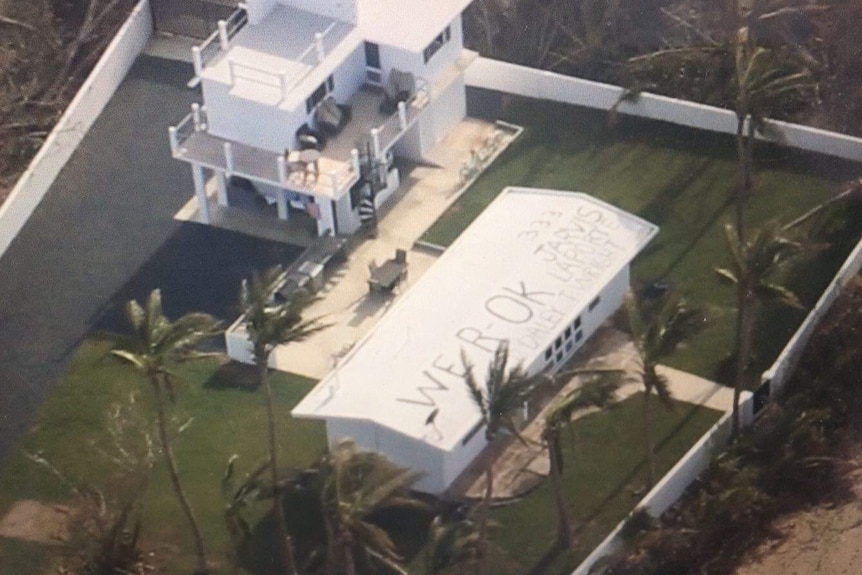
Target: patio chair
[310,138]
[401,257]
[399,87]
[331,117]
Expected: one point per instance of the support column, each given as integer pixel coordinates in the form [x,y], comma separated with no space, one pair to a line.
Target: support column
[326,223]
[221,186]
[281,204]
[201,192]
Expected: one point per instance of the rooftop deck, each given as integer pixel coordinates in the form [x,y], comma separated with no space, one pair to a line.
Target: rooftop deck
[265,64]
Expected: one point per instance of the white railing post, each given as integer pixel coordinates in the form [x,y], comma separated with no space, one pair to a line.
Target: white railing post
[333,175]
[197,59]
[375,140]
[402,115]
[318,43]
[222,35]
[200,192]
[228,157]
[175,144]
[281,164]
[354,160]
[196,116]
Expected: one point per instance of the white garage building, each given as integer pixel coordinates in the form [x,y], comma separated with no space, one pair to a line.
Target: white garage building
[541,269]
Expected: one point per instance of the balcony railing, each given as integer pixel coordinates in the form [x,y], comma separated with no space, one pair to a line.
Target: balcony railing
[191,142]
[217,42]
[384,136]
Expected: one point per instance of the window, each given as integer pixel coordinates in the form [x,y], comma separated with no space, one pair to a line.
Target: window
[559,356]
[558,343]
[577,324]
[595,303]
[568,332]
[356,194]
[579,335]
[568,346]
[372,55]
[548,353]
[319,94]
[437,43]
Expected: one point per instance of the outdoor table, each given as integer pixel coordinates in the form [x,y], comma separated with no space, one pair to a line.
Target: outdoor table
[387,276]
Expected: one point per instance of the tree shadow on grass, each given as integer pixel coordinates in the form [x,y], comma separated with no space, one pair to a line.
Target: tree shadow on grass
[234,375]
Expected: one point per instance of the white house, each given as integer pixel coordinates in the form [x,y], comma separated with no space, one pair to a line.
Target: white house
[540,269]
[356,81]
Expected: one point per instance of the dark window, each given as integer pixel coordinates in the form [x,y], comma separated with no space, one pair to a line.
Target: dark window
[595,302]
[579,335]
[356,194]
[372,55]
[568,332]
[559,356]
[319,94]
[578,322]
[436,44]
[559,343]
[568,346]
[548,353]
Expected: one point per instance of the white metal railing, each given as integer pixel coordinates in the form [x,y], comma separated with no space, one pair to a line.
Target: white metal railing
[311,57]
[385,135]
[195,121]
[217,42]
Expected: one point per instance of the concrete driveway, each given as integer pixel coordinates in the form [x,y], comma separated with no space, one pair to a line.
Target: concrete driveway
[103,233]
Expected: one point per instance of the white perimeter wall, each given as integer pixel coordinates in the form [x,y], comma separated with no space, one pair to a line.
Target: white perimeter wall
[530,82]
[91,98]
[676,481]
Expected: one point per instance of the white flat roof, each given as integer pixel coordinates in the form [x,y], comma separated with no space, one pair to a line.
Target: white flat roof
[526,264]
[407,24]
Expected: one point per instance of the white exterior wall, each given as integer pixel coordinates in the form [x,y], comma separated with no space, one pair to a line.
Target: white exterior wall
[344,10]
[459,458]
[447,55]
[270,127]
[400,449]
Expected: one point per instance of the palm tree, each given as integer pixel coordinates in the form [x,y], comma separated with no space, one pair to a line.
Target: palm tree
[454,544]
[658,327]
[599,391]
[761,84]
[503,394]
[354,485]
[155,347]
[753,262]
[268,325]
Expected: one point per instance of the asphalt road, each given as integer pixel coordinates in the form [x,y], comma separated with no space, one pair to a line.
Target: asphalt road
[104,233]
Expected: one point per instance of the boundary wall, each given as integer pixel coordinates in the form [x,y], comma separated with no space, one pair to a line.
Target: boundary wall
[79,116]
[531,82]
[672,486]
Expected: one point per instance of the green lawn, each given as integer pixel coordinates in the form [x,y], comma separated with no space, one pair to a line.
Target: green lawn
[679,179]
[71,428]
[604,478]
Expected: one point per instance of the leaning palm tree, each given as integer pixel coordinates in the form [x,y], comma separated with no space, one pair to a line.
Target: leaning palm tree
[762,82]
[354,485]
[157,345]
[269,324]
[504,393]
[599,390]
[753,263]
[657,328]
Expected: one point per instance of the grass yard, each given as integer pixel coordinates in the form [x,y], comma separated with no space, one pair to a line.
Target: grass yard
[680,179]
[71,428]
[604,475]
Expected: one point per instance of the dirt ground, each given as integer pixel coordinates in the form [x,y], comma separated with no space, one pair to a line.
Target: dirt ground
[825,540]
